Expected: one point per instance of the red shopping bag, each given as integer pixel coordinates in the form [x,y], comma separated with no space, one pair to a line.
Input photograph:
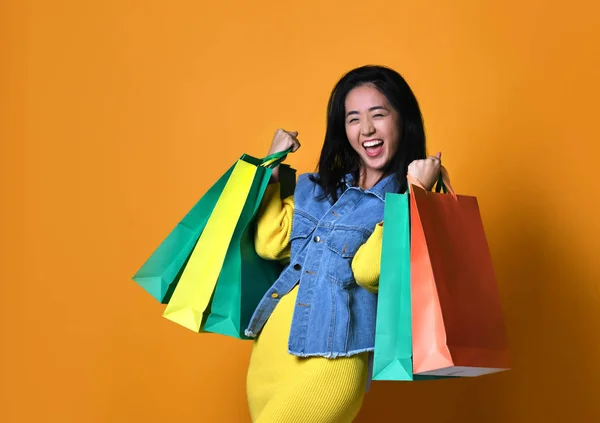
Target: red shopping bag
[458,327]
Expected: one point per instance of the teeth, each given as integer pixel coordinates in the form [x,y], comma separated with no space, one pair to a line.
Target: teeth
[372,143]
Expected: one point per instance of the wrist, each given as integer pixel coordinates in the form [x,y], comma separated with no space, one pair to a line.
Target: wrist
[274,176]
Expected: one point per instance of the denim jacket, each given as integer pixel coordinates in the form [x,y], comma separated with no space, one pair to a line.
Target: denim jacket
[333,316]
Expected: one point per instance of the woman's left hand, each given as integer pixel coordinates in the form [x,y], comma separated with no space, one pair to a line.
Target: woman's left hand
[427,170]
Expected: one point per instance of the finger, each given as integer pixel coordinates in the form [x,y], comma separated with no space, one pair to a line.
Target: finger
[296,146]
[439,155]
[293,133]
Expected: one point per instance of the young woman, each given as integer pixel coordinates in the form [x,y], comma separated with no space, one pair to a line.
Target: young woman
[315,327]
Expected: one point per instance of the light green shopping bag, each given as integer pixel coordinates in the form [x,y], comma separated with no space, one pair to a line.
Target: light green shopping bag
[392,358]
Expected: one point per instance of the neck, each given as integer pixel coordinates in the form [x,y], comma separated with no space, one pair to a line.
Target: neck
[369,177]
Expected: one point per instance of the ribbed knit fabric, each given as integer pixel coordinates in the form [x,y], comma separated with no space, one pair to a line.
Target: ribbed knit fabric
[281,387]
[367,261]
[272,239]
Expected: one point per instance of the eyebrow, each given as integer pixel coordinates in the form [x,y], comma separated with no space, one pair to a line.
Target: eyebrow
[354,112]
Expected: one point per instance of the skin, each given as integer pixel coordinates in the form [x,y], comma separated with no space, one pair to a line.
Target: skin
[369,116]
[282,141]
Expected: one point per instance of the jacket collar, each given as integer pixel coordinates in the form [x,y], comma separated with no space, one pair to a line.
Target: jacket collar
[388,184]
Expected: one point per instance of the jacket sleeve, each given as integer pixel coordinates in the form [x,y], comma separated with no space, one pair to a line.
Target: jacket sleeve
[274,226]
[367,261]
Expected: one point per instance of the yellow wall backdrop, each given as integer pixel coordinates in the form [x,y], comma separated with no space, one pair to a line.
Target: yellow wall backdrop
[118,114]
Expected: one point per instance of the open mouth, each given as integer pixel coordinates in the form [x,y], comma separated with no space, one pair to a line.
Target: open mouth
[373,147]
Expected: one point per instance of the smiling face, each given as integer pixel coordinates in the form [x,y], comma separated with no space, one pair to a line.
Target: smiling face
[373,129]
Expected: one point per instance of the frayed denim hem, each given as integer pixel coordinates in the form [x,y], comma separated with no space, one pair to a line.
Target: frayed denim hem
[249,333]
[332,354]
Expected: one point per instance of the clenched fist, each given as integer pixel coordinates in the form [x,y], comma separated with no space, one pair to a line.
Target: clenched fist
[283,141]
[426,171]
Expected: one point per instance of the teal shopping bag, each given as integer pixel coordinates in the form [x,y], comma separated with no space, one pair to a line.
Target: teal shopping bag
[161,271]
[392,358]
[245,277]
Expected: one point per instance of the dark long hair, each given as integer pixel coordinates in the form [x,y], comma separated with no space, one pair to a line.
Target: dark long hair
[338,158]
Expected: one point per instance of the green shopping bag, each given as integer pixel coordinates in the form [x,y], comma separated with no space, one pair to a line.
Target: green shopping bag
[217,250]
[392,358]
[393,355]
[161,272]
[245,277]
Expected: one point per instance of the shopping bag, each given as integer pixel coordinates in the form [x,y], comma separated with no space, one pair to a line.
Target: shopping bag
[190,303]
[392,357]
[458,327]
[160,273]
[244,276]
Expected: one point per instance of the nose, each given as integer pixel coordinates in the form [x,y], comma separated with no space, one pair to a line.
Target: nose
[366,127]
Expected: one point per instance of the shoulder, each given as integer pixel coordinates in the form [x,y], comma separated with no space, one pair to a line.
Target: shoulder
[307,178]
[306,187]
[307,181]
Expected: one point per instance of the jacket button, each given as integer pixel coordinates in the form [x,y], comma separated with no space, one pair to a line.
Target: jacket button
[274,295]
[297,266]
[317,239]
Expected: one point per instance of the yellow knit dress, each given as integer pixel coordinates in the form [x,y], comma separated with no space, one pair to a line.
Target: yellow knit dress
[283,388]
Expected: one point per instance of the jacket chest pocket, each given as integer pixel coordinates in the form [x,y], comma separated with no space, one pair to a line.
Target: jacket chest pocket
[343,243]
[302,228]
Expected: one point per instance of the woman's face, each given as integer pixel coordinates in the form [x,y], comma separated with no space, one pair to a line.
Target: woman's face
[372,127]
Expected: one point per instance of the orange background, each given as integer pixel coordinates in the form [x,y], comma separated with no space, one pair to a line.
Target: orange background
[118,115]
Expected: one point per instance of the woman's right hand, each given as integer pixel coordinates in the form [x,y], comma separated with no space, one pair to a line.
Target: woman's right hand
[283,141]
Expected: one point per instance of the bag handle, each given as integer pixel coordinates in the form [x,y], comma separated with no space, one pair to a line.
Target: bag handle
[274,160]
[443,183]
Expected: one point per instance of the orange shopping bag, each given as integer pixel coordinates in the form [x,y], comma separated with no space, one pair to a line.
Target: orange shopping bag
[457,323]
